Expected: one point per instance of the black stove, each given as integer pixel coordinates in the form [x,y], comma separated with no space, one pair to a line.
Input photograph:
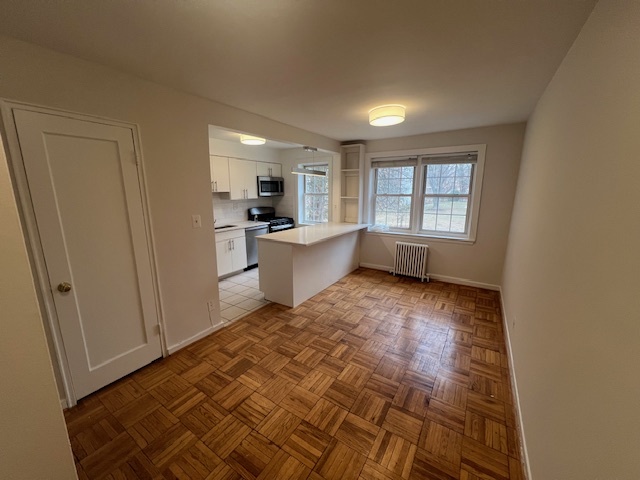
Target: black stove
[268,214]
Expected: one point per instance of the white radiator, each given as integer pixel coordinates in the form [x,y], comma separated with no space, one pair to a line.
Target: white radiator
[411,260]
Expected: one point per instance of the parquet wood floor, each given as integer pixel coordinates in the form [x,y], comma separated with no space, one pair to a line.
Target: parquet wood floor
[376,377]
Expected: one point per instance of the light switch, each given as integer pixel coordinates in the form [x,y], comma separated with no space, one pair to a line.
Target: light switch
[196,221]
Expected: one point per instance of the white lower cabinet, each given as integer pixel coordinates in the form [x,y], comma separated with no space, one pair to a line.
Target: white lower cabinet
[231,251]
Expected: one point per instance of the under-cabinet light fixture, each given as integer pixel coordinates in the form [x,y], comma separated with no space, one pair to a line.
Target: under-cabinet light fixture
[386,115]
[251,140]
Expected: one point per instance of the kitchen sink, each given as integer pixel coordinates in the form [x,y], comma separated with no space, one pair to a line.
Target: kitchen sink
[223,226]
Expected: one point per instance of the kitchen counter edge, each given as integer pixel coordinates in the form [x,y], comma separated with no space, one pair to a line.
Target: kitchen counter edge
[312,234]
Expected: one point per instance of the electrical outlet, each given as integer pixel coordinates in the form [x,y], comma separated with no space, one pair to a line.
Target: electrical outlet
[196,221]
[211,304]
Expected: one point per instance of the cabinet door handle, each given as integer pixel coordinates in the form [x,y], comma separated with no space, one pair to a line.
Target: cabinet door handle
[233,245]
[216,182]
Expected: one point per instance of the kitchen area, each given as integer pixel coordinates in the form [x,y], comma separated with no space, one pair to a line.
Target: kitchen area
[244,209]
[255,192]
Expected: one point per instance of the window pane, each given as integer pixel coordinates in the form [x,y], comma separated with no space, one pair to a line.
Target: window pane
[458,223]
[443,223]
[448,170]
[462,185]
[316,208]
[394,186]
[459,206]
[463,170]
[382,186]
[444,206]
[434,170]
[430,205]
[445,214]
[406,186]
[429,221]
[446,185]
[393,211]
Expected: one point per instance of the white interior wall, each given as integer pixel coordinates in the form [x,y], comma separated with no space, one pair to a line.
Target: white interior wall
[571,279]
[479,263]
[33,438]
[174,135]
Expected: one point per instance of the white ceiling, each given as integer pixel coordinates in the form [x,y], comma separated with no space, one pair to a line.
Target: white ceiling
[322,64]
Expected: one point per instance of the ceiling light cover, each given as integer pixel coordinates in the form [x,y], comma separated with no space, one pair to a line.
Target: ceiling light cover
[251,140]
[386,115]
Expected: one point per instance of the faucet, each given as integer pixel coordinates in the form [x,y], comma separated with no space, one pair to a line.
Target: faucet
[255,218]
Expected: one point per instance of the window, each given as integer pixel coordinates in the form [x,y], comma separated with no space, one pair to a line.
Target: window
[315,202]
[394,194]
[436,195]
[447,192]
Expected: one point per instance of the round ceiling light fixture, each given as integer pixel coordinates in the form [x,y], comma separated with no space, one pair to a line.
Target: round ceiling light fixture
[251,140]
[386,115]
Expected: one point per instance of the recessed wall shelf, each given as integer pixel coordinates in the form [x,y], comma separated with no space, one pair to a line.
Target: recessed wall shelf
[351,183]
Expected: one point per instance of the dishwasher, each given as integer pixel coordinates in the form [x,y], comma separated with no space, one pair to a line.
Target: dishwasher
[252,244]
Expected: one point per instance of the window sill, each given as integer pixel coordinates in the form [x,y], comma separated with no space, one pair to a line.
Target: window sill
[424,237]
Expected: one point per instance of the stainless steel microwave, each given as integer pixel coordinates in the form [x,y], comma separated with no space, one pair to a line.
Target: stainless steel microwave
[270,186]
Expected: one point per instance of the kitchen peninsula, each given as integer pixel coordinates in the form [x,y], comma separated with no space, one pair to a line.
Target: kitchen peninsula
[299,263]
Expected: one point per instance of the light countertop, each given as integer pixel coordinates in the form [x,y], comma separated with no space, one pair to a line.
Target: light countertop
[312,234]
[241,225]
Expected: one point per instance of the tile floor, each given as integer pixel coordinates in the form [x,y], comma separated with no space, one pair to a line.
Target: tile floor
[239,295]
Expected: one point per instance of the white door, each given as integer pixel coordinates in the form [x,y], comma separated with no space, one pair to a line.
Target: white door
[85,187]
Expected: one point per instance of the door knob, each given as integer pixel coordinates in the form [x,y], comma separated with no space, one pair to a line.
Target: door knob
[64,287]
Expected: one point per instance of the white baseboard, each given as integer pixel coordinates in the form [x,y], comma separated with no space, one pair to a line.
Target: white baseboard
[63,403]
[376,267]
[185,343]
[520,429]
[442,278]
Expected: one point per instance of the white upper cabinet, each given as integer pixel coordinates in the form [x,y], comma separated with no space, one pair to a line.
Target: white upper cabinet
[219,168]
[269,169]
[243,179]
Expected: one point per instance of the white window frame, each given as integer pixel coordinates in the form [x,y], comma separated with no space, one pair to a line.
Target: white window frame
[418,193]
[301,191]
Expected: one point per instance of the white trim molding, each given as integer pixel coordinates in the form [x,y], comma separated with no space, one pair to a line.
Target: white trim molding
[198,336]
[442,278]
[514,384]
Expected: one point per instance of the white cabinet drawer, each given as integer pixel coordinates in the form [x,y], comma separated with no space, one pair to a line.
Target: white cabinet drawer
[221,236]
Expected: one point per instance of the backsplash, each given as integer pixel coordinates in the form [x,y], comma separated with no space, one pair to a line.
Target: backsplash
[225,210]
